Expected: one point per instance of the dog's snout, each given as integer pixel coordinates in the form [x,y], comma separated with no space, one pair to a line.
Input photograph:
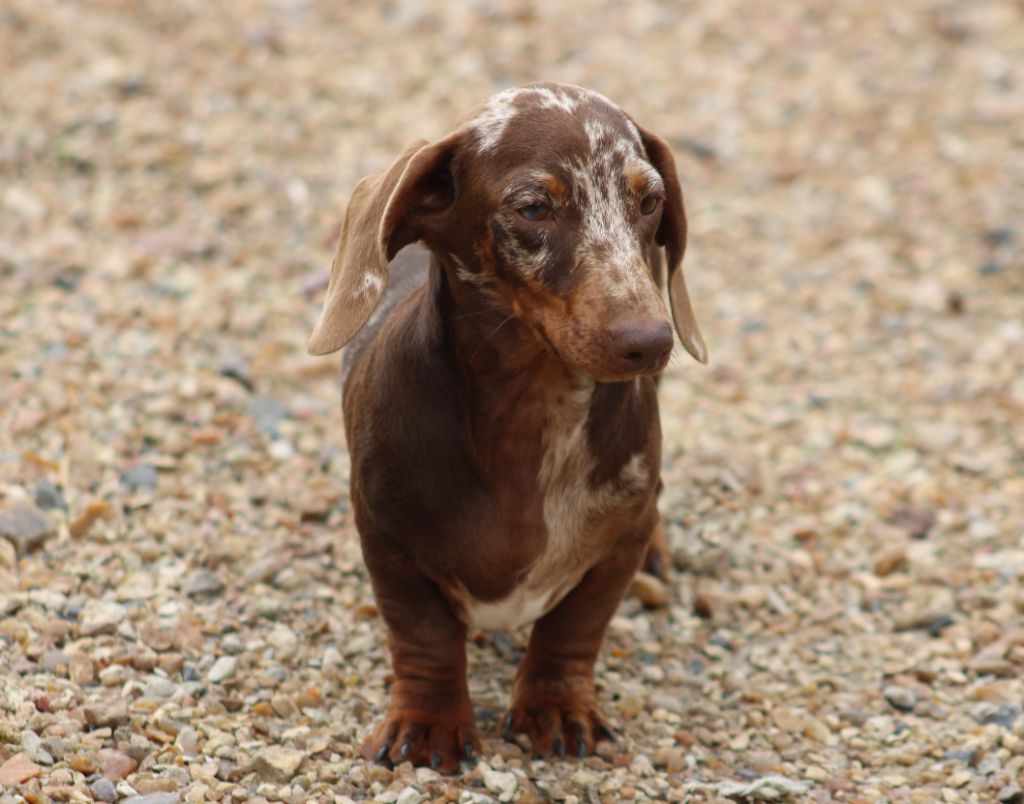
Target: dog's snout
[641,344]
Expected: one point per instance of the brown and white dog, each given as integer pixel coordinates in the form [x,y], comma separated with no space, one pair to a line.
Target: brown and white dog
[499,401]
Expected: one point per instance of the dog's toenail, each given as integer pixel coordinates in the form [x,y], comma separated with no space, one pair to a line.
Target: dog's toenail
[559,748]
[435,761]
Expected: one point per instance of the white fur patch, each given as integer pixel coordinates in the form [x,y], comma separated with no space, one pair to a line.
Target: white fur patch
[493,119]
[372,285]
[570,509]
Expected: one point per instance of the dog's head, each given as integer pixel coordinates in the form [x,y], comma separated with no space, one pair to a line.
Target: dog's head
[551,202]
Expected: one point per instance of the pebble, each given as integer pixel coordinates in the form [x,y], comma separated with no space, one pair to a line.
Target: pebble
[278,764]
[139,476]
[159,688]
[80,670]
[154,798]
[106,713]
[502,782]
[115,764]
[204,583]
[284,641]
[188,741]
[409,795]
[17,770]
[103,789]
[899,697]
[222,670]
[32,744]
[649,590]
[26,526]
[101,617]
[49,496]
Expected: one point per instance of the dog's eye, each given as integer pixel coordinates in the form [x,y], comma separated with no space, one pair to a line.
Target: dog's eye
[535,212]
[648,204]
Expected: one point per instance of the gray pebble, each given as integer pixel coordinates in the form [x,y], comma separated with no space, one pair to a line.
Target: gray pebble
[103,789]
[139,476]
[49,496]
[204,582]
[25,525]
[900,697]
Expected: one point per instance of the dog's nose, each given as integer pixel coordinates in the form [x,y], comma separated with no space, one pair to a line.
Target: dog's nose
[641,344]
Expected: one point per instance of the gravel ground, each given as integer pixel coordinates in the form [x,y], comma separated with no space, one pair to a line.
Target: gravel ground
[183,610]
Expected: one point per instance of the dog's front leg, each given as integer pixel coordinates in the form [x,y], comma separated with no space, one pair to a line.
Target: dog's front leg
[429,720]
[553,700]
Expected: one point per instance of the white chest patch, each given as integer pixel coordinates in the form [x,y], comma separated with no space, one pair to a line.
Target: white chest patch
[571,506]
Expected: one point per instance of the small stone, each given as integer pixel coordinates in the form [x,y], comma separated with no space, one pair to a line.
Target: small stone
[103,789]
[649,590]
[102,617]
[409,795]
[237,369]
[139,476]
[1011,794]
[671,759]
[710,599]
[154,798]
[114,675]
[223,669]
[501,782]
[115,764]
[159,688]
[18,770]
[81,763]
[26,526]
[899,697]
[106,713]
[49,496]
[188,741]
[32,745]
[80,670]
[284,641]
[203,583]
[94,511]
[890,561]
[283,706]
[278,764]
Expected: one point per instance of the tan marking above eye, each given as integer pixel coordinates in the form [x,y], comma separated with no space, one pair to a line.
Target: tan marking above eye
[555,187]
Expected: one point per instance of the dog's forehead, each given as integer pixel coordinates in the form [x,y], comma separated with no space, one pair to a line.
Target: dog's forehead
[569,119]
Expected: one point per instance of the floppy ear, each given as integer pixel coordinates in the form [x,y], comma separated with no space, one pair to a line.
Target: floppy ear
[384,215]
[672,235]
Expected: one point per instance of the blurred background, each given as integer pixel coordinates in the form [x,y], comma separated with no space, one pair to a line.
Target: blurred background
[845,482]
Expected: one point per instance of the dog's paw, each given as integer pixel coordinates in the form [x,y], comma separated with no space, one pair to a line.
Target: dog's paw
[560,718]
[437,740]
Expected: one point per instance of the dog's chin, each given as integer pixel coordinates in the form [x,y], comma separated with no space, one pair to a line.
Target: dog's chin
[609,372]
[629,376]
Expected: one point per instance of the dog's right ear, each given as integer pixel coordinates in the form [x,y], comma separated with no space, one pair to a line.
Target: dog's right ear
[385,214]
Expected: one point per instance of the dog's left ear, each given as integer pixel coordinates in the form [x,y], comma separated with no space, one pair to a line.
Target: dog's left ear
[672,235]
[387,212]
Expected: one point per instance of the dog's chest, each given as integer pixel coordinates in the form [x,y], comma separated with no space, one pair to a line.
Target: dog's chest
[570,513]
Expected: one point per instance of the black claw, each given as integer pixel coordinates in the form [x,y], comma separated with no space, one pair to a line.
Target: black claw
[506,728]
[467,750]
[406,748]
[581,748]
[559,747]
[654,565]
[606,733]
[435,761]
[382,754]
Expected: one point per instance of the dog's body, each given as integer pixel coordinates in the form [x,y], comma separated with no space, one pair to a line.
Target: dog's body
[499,402]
